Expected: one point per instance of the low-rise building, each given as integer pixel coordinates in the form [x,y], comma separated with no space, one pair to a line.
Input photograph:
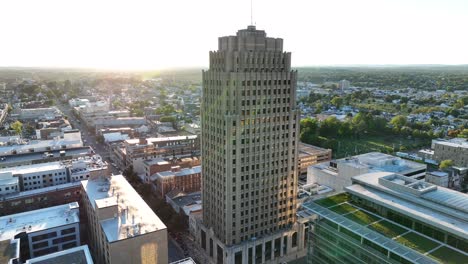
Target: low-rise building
[38,113]
[155,165]
[310,155]
[389,218]
[187,180]
[40,198]
[77,102]
[184,203]
[44,156]
[76,255]
[69,140]
[439,178]
[455,149]
[337,174]
[43,231]
[36,176]
[8,183]
[122,227]
[136,150]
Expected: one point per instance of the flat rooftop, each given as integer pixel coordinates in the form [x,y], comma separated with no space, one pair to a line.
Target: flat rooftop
[76,255]
[437,205]
[156,161]
[56,165]
[37,220]
[22,157]
[39,191]
[182,172]
[308,150]
[454,142]
[160,139]
[374,161]
[134,216]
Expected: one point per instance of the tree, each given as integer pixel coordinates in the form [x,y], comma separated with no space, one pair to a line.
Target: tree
[446,164]
[171,119]
[308,130]
[329,127]
[398,121]
[18,127]
[337,101]
[130,174]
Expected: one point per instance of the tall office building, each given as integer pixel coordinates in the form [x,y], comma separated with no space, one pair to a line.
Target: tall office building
[249,147]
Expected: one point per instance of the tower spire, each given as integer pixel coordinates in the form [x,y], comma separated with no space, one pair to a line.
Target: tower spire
[251,13]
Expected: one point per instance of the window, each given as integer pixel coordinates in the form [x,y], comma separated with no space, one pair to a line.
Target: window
[67,231]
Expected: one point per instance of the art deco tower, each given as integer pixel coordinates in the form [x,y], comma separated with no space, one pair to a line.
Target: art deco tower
[249,138]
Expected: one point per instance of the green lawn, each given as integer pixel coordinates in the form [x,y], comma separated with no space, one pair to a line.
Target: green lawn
[385,144]
[333,200]
[448,255]
[362,218]
[342,208]
[387,229]
[417,242]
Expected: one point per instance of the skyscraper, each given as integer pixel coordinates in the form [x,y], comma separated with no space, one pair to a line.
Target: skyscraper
[249,146]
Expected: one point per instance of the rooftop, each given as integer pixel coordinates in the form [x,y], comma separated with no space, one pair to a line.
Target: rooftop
[23,157]
[57,143]
[160,139]
[156,161]
[54,188]
[37,220]
[376,161]
[56,165]
[306,149]
[182,172]
[454,142]
[440,206]
[76,255]
[184,199]
[134,216]
[394,235]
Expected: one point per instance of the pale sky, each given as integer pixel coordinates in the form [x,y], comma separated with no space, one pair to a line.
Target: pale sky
[156,34]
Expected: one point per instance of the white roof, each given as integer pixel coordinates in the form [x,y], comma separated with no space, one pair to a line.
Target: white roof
[34,168]
[134,217]
[37,220]
[116,136]
[182,172]
[161,139]
[454,142]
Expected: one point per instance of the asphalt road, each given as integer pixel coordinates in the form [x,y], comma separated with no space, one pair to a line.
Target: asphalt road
[175,252]
[88,138]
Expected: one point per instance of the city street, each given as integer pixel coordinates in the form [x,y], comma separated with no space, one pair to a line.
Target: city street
[175,251]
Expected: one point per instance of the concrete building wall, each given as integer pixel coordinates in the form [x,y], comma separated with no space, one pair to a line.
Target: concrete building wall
[458,154]
[145,249]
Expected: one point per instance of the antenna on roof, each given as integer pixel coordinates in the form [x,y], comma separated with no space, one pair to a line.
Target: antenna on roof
[251,13]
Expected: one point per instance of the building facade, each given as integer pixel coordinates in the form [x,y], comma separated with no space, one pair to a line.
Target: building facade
[41,198]
[249,149]
[337,174]
[187,180]
[155,165]
[122,227]
[43,231]
[455,149]
[310,155]
[389,218]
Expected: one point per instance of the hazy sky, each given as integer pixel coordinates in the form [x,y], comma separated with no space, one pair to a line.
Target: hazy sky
[155,34]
